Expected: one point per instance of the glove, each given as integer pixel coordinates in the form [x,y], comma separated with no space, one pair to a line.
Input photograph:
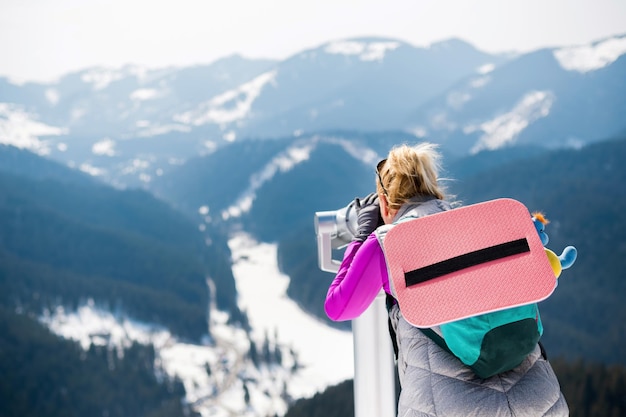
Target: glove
[368,216]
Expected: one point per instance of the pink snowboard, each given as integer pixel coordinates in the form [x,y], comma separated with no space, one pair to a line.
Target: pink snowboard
[467,261]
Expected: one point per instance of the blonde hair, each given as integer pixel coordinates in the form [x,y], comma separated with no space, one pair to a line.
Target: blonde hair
[410,171]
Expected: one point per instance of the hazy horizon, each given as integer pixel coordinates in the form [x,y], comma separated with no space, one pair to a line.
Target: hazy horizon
[41,41]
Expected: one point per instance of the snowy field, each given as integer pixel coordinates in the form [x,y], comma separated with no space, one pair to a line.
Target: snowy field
[325,355]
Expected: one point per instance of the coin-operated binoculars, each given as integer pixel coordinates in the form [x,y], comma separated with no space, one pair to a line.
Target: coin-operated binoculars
[374,378]
[335,230]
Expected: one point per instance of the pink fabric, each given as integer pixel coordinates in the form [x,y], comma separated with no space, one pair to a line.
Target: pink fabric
[362,274]
[507,282]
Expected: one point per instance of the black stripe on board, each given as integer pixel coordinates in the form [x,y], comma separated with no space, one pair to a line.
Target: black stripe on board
[467,260]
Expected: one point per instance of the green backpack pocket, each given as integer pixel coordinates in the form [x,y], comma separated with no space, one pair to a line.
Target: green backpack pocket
[492,343]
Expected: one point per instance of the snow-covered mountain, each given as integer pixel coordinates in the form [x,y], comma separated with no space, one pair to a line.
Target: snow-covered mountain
[129,125]
[560,97]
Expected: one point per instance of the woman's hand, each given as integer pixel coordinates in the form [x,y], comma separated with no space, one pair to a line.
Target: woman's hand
[368,215]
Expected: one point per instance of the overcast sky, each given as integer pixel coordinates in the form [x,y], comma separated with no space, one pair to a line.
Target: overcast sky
[42,39]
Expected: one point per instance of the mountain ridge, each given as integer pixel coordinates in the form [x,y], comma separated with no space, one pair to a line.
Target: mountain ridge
[129,126]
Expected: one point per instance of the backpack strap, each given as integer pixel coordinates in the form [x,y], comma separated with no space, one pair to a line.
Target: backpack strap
[389,302]
[544,354]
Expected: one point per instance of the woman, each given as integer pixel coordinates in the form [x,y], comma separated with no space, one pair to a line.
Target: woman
[433,381]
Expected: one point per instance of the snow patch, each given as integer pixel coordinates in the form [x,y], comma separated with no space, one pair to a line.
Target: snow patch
[506,128]
[89,325]
[358,152]
[485,69]
[105,147]
[591,57]
[282,162]
[52,95]
[156,130]
[100,78]
[230,106]
[135,165]
[21,129]
[230,136]
[366,51]
[143,94]
[92,170]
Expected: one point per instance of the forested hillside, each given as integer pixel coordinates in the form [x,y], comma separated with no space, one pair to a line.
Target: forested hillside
[65,243]
[66,239]
[44,375]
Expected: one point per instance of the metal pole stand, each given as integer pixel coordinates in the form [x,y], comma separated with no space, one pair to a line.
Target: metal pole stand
[374,377]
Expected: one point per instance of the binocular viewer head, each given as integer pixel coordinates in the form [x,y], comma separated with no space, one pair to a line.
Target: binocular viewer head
[335,230]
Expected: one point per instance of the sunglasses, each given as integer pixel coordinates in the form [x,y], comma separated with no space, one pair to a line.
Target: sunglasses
[380,180]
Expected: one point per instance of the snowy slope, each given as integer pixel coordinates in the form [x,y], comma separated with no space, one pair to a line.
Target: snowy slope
[324,356]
